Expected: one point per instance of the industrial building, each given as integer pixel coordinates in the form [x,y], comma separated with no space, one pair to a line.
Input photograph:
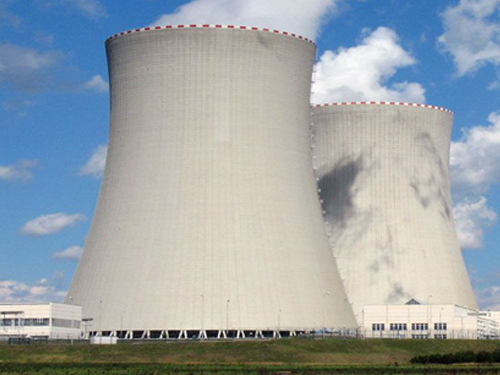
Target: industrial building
[415,320]
[209,222]
[40,321]
[382,170]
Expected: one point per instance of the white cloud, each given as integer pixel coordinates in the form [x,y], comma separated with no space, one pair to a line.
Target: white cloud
[95,165]
[359,73]
[72,252]
[472,34]
[22,171]
[472,217]
[474,170]
[97,83]
[298,16]
[12,291]
[92,9]
[474,158]
[50,224]
[26,69]
[494,85]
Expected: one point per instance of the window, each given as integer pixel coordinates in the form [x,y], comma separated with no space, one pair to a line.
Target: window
[419,336]
[419,326]
[378,327]
[36,322]
[441,336]
[440,326]
[398,327]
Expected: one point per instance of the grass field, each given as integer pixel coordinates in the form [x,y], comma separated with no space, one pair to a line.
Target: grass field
[299,356]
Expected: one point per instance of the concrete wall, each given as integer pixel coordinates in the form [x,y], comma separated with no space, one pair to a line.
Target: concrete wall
[383,173]
[208,216]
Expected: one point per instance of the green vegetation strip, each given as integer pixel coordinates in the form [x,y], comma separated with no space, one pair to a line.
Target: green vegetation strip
[158,369]
[271,352]
[294,356]
[459,357]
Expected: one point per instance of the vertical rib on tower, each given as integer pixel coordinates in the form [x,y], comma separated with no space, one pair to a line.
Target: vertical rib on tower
[208,217]
[383,175]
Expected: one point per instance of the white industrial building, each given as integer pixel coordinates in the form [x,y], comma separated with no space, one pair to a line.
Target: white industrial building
[209,222]
[40,321]
[419,321]
[382,170]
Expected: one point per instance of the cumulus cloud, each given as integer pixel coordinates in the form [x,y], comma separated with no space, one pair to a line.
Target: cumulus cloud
[12,291]
[360,73]
[95,165]
[26,69]
[22,171]
[472,34]
[298,16]
[50,224]
[72,252]
[97,83]
[471,217]
[474,170]
[474,158]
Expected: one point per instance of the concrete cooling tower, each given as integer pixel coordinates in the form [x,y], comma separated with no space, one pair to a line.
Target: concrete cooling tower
[208,222]
[383,177]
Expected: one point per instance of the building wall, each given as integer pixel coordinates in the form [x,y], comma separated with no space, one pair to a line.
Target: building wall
[50,320]
[208,217]
[383,173]
[426,321]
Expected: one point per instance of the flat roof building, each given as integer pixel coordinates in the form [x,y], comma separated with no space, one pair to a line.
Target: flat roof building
[419,321]
[40,320]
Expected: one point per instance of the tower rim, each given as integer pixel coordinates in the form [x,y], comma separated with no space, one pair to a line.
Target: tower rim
[406,104]
[209,26]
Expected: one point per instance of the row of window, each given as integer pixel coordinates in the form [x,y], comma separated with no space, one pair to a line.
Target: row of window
[419,326]
[39,322]
[404,327]
[440,326]
[24,322]
[436,336]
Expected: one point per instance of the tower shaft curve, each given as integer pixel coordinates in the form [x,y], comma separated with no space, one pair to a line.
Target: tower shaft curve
[383,174]
[208,217]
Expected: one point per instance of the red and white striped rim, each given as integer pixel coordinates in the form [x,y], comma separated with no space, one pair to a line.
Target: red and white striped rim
[207,26]
[384,103]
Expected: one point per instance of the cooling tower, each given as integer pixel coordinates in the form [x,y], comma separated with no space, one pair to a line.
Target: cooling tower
[382,171]
[208,219]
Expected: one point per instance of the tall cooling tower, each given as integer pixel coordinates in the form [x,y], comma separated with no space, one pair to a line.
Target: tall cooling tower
[208,219]
[382,170]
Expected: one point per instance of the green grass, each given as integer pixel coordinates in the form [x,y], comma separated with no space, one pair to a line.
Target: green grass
[157,369]
[291,351]
[300,356]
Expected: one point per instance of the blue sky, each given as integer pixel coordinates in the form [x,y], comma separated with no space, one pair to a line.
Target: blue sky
[54,108]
